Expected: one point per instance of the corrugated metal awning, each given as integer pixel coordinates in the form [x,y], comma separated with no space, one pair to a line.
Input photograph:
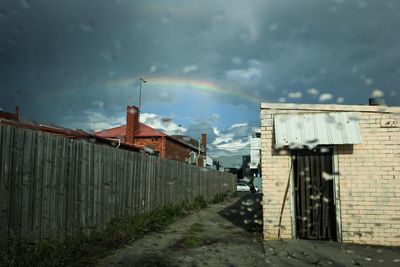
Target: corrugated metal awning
[312,129]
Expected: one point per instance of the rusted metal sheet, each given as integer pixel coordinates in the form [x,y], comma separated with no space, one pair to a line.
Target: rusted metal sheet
[312,129]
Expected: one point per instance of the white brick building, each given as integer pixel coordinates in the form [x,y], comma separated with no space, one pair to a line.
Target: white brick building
[255,148]
[347,187]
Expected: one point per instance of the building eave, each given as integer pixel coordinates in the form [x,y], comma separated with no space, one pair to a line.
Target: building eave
[329,107]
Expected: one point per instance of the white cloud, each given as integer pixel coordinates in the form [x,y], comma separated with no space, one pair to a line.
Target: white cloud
[222,139]
[97,121]
[244,76]
[233,139]
[234,145]
[295,95]
[216,131]
[190,68]
[164,124]
[146,117]
[325,97]
[236,125]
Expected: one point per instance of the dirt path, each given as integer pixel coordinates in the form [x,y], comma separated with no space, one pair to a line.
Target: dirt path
[299,253]
[224,234]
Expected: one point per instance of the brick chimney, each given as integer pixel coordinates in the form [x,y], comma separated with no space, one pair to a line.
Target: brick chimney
[204,143]
[132,123]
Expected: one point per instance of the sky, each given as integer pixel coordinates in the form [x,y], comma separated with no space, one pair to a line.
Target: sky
[207,64]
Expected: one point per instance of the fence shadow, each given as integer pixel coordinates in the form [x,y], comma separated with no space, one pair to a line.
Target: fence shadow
[246,212]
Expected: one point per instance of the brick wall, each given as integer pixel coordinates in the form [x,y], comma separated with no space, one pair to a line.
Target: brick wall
[173,149]
[369,177]
[177,151]
[370,183]
[153,143]
[275,169]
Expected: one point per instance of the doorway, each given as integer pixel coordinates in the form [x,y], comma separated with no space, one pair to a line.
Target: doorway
[315,209]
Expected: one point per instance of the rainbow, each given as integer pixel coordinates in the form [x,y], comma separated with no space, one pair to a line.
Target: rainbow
[177,82]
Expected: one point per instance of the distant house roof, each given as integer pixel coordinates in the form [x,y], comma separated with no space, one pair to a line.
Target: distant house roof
[186,139]
[8,116]
[147,131]
[68,133]
[119,132]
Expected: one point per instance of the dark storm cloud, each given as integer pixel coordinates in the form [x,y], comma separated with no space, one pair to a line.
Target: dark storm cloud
[346,48]
[63,49]
[55,56]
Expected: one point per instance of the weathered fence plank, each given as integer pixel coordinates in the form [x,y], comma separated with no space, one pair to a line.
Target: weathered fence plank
[6,140]
[52,187]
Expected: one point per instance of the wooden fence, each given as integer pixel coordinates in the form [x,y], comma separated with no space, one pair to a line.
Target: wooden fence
[53,187]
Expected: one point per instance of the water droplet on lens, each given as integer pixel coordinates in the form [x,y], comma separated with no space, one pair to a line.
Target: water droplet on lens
[148,150]
[327,176]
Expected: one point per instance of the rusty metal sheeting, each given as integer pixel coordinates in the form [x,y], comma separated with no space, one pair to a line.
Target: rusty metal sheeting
[312,129]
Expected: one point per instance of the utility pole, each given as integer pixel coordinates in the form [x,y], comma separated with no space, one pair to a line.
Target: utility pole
[141,80]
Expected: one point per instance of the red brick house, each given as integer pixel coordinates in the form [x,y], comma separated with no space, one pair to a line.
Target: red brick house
[180,148]
[7,118]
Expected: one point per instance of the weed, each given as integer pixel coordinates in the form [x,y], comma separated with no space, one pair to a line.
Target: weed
[219,197]
[200,202]
[87,249]
[191,241]
[197,227]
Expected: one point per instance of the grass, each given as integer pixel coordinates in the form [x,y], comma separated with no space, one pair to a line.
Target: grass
[85,250]
[196,228]
[191,239]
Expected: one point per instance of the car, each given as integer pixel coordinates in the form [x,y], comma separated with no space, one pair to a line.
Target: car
[244,187]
